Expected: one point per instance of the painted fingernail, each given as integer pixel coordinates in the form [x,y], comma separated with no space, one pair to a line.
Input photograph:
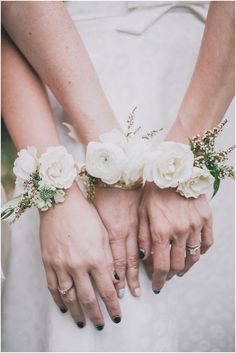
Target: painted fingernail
[141,253]
[156,291]
[80,324]
[121,293]
[63,310]
[116,276]
[99,327]
[137,292]
[180,274]
[117,319]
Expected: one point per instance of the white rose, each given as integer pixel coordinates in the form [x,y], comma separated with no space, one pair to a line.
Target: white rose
[199,183]
[136,156]
[105,161]
[169,165]
[57,167]
[25,165]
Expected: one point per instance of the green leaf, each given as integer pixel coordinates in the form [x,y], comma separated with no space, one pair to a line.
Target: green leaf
[191,144]
[216,186]
[5,214]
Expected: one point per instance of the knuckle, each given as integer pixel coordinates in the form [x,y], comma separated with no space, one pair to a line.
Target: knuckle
[108,295]
[182,228]
[162,270]
[88,303]
[120,262]
[196,224]
[177,267]
[118,231]
[57,263]
[52,289]
[133,262]
[69,298]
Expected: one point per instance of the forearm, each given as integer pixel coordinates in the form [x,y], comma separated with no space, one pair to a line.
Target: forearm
[211,88]
[25,106]
[46,35]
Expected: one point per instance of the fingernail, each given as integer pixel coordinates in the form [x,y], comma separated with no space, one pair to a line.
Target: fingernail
[63,310]
[180,274]
[116,276]
[156,291]
[121,293]
[137,292]
[117,319]
[81,324]
[141,253]
[99,327]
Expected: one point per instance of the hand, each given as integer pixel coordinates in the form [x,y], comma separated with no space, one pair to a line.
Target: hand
[118,210]
[169,222]
[75,246]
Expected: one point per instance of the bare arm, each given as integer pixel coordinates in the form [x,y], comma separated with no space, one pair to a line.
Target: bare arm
[46,35]
[72,247]
[174,219]
[211,88]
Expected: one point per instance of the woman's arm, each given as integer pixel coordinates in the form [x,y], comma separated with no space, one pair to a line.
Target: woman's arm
[46,35]
[73,248]
[174,219]
[211,88]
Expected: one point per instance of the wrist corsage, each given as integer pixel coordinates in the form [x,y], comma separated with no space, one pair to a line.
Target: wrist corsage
[41,181]
[116,161]
[192,169]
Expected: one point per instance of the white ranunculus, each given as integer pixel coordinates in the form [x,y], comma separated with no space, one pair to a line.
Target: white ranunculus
[136,156]
[57,167]
[170,164]
[199,183]
[105,161]
[25,165]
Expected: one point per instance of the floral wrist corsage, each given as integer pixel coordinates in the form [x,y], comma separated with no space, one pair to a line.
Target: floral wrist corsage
[41,181]
[191,169]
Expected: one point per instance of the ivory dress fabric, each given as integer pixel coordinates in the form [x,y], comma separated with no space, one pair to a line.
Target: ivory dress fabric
[149,69]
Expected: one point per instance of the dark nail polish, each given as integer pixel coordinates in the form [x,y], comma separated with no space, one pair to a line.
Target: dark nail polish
[99,327]
[141,253]
[180,274]
[117,319]
[80,324]
[156,291]
[116,276]
[63,310]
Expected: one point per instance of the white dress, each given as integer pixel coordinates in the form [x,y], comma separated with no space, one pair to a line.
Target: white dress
[143,59]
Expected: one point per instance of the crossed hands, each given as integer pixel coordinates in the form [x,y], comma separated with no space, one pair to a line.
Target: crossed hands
[82,244]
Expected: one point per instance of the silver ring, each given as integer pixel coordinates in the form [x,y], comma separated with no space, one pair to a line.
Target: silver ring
[193,248]
[64,291]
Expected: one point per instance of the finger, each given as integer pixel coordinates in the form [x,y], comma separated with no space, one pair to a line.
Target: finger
[133,265]
[148,264]
[70,298]
[118,250]
[110,264]
[144,236]
[192,256]
[207,236]
[53,288]
[88,299]
[161,265]
[177,257]
[107,292]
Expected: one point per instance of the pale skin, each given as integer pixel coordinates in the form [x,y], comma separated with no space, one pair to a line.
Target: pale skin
[210,92]
[40,31]
[165,216]
[74,249]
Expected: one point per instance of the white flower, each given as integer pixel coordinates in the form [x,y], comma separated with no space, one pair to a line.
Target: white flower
[59,196]
[25,165]
[136,155]
[43,205]
[105,161]
[57,167]
[169,165]
[115,137]
[199,183]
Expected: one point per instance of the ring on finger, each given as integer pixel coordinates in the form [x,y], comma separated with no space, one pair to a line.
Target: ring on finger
[192,249]
[64,291]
